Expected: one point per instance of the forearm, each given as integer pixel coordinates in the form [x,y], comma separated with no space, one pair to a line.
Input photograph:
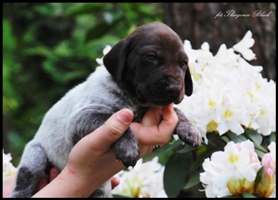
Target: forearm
[71,184]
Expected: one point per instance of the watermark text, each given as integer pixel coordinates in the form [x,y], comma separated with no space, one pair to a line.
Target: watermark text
[232,13]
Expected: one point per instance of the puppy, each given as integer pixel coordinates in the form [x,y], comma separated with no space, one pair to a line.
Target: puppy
[148,68]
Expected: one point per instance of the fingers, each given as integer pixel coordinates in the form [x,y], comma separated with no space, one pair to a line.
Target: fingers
[170,119]
[115,181]
[152,116]
[153,133]
[54,172]
[43,182]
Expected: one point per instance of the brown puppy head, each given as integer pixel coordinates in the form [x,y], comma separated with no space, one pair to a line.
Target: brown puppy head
[152,65]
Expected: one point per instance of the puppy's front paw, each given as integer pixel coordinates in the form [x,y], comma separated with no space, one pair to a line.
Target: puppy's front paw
[127,149]
[188,133]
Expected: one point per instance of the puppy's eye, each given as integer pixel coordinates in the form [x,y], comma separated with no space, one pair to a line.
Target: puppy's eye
[151,56]
[184,64]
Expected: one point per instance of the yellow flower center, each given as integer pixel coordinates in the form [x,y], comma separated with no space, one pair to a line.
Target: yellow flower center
[257,86]
[250,94]
[211,103]
[228,114]
[233,158]
[212,126]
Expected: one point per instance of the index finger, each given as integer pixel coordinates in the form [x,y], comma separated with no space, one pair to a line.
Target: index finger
[157,134]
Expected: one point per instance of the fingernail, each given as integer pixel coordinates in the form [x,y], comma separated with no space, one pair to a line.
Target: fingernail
[126,115]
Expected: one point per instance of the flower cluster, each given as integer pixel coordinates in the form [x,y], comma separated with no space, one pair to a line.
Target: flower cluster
[231,92]
[234,171]
[144,180]
[8,168]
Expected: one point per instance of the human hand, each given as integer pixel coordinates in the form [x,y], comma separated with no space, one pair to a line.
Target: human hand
[54,172]
[92,160]
[156,128]
[8,182]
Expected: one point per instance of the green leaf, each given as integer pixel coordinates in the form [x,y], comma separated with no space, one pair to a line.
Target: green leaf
[187,149]
[254,136]
[119,196]
[175,173]
[261,148]
[200,158]
[258,178]
[157,152]
[86,9]
[101,28]
[194,180]
[248,195]
[163,150]
[230,196]
[273,137]
[225,138]
[236,138]
[174,145]
[259,152]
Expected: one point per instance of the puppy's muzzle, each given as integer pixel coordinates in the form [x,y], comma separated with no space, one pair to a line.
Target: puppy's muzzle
[174,90]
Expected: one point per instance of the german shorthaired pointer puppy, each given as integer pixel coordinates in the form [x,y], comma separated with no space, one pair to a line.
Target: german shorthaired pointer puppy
[147,68]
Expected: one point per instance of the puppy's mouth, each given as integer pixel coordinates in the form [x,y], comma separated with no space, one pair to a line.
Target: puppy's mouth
[159,95]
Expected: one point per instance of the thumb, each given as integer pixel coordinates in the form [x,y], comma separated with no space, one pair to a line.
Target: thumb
[104,136]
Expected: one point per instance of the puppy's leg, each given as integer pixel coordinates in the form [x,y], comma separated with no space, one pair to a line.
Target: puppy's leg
[88,119]
[85,121]
[127,149]
[30,171]
[186,131]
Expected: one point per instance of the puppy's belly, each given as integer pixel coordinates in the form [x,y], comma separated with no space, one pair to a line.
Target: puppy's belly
[56,148]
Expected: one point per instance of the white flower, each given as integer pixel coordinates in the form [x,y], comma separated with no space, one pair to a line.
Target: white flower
[237,165]
[244,46]
[144,180]
[8,168]
[272,149]
[228,92]
[105,51]
[214,180]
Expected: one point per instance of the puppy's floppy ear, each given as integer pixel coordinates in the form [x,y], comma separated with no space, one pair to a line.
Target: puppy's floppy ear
[115,59]
[188,84]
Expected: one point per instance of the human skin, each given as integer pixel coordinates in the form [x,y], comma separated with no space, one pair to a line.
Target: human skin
[8,182]
[92,160]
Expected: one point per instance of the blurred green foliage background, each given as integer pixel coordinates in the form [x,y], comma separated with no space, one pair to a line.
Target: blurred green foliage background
[50,47]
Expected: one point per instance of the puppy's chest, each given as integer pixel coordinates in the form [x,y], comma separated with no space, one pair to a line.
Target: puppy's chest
[125,100]
[115,97]
[139,113]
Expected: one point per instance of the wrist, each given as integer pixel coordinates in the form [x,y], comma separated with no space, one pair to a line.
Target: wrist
[69,183]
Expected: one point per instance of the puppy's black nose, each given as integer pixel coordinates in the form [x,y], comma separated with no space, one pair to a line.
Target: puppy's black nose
[174,89]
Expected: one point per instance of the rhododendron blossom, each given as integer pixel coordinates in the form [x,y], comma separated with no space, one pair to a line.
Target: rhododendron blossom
[229,94]
[234,170]
[8,168]
[144,180]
